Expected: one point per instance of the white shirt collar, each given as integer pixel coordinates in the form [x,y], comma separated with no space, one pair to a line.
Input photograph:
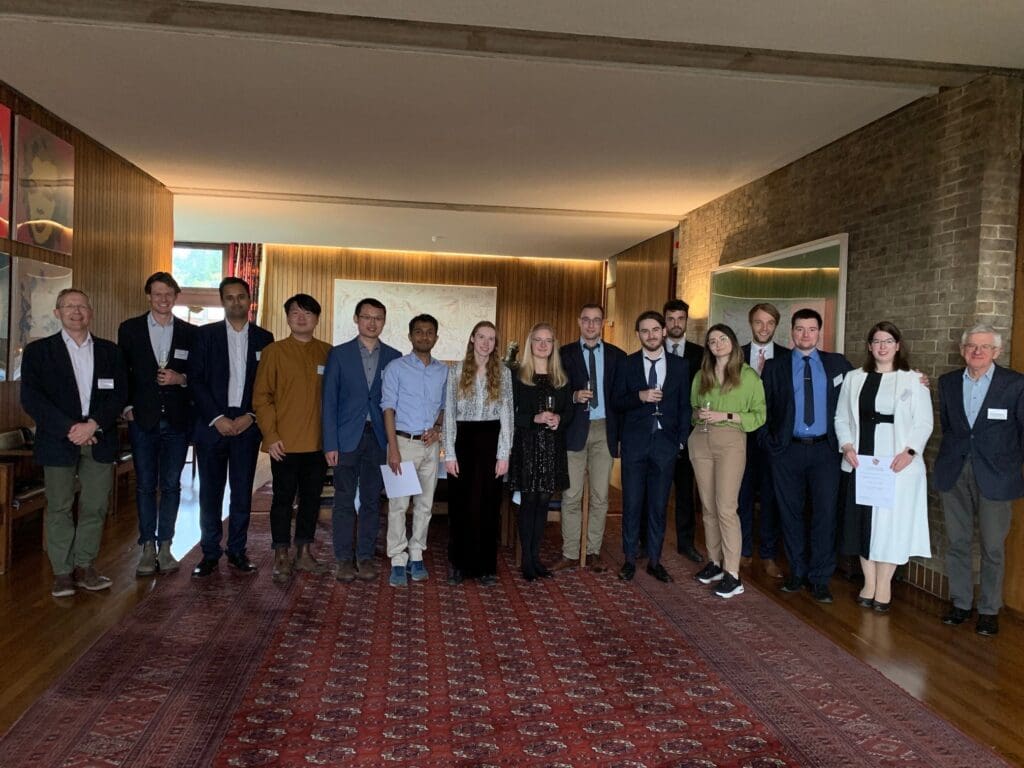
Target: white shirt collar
[69,340]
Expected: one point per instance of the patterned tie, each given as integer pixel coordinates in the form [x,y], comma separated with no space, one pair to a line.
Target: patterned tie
[760,361]
[808,392]
[593,377]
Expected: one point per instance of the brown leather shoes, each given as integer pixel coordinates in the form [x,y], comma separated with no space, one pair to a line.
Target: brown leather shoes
[771,569]
[595,564]
[367,570]
[564,563]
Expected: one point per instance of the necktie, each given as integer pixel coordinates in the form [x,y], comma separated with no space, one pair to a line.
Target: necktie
[808,392]
[593,377]
[760,361]
[652,375]
[675,349]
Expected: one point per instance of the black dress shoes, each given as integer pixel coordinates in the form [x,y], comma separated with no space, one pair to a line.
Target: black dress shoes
[821,593]
[241,563]
[628,571]
[881,607]
[455,577]
[658,571]
[956,616]
[988,624]
[865,602]
[690,553]
[792,584]
[204,568]
[543,573]
[529,575]
[488,580]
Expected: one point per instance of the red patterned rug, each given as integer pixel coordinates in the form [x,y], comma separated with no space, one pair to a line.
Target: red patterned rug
[578,670]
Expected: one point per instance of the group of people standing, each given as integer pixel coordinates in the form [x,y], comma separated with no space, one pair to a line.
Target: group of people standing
[788,426]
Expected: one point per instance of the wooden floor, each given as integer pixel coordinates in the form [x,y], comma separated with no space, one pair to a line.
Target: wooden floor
[975,682]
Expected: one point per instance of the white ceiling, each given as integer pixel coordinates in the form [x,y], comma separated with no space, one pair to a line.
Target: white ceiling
[281,141]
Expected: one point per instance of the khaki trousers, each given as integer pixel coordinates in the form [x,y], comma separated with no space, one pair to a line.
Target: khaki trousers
[719,458]
[68,545]
[402,548]
[595,461]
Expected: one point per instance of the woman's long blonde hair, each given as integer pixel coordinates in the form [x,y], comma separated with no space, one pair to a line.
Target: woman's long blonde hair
[733,366]
[469,367]
[527,368]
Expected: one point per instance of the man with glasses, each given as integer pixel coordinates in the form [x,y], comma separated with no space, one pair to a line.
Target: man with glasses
[355,440]
[978,471]
[591,439]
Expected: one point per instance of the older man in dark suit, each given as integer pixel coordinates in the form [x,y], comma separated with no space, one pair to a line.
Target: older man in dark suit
[73,385]
[222,369]
[978,471]
[652,392]
[801,391]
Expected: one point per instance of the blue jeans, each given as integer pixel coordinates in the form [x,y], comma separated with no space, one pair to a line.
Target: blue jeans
[358,470]
[158,455]
[233,457]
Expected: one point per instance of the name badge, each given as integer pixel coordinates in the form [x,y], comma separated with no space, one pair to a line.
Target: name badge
[181,354]
[257,357]
[320,370]
[105,383]
[837,381]
[997,414]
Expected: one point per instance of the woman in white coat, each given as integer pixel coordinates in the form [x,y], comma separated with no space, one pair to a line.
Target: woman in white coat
[885,411]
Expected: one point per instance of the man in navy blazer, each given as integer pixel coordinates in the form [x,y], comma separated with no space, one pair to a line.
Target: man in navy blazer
[73,385]
[591,439]
[355,441]
[222,368]
[652,391]
[978,471]
[757,477]
[156,348]
[801,391]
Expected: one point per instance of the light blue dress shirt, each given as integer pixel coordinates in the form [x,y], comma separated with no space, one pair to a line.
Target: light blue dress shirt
[819,381]
[414,391]
[595,412]
[974,393]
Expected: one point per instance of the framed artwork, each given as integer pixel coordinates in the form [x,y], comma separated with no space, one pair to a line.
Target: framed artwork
[44,188]
[33,296]
[5,171]
[811,275]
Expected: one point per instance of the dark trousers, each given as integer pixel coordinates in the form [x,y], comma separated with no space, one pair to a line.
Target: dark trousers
[686,513]
[158,455]
[474,500]
[234,459]
[302,475]
[358,470]
[533,514]
[803,469]
[646,480]
[757,483]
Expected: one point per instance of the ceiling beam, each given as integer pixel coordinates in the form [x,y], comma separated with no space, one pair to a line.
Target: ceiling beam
[458,39]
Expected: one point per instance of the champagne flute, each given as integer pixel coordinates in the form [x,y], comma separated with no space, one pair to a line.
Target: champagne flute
[657,405]
[549,404]
[705,424]
[589,388]
[161,361]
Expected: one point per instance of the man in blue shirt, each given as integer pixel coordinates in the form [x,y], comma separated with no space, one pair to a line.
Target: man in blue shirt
[413,402]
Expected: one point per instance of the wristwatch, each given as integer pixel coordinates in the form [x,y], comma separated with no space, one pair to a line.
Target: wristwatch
[729,416]
[911,451]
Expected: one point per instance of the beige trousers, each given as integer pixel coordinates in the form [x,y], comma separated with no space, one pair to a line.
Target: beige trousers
[594,461]
[402,548]
[719,458]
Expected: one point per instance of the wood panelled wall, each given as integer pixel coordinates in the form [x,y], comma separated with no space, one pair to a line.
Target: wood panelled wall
[529,290]
[642,282]
[124,231]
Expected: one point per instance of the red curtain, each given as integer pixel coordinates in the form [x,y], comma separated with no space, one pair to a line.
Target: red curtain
[245,261]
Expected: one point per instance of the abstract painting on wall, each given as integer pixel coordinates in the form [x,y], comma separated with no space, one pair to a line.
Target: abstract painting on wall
[44,188]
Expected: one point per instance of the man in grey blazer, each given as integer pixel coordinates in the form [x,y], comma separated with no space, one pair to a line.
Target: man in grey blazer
[978,471]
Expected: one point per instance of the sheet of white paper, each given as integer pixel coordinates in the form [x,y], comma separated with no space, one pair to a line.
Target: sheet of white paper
[405,484]
[876,482]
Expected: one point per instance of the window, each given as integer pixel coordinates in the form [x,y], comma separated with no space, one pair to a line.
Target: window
[199,268]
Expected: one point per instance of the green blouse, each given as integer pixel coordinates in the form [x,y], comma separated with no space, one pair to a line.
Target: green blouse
[746,400]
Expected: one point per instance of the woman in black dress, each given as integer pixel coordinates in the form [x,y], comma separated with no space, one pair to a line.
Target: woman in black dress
[539,466]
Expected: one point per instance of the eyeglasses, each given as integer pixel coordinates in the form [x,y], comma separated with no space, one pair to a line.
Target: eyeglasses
[591,320]
[718,341]
[372,318]
[883,342]
[543,341]
[79,307]
[982,347]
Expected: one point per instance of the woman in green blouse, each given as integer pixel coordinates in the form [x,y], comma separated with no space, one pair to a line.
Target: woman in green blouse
[728,401]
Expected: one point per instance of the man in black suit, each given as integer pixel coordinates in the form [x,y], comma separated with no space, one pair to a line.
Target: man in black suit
[677,313]
[156,347]
[592,437]
[757,477]
[978,471]
[651,390]
[73,385]
[801,391]
[222,368]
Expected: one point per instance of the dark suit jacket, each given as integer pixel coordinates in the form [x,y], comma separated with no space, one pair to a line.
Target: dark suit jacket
[777,350]
[347,400]
[209,372]
[638,416]
[995,446]
[49,395]
[148,399]
[780,399]
[578,369]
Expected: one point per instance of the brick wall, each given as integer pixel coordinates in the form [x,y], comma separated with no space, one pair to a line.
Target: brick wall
[929,197]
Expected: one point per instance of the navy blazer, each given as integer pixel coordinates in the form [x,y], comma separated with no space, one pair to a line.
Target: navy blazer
[780,399]
[995,445]
[50,396]
[638,416]
[150,402]
[209,372]
[693,354]
[347,400]
[578,370]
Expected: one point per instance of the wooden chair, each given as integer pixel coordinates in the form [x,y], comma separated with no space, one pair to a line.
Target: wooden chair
[21,489]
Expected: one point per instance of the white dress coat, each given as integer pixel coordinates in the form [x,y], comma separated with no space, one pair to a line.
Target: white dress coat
[901,533]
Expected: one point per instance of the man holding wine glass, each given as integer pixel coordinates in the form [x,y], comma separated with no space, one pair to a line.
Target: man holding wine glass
[156,347]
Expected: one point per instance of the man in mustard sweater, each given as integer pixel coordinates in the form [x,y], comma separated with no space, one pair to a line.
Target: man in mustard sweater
[286,397]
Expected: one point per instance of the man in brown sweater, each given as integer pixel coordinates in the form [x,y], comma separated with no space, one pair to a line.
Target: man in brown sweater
[286,398]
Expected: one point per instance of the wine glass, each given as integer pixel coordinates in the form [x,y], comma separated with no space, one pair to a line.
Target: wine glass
[705,424]
[589,388]
[549,404]
[657,405]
